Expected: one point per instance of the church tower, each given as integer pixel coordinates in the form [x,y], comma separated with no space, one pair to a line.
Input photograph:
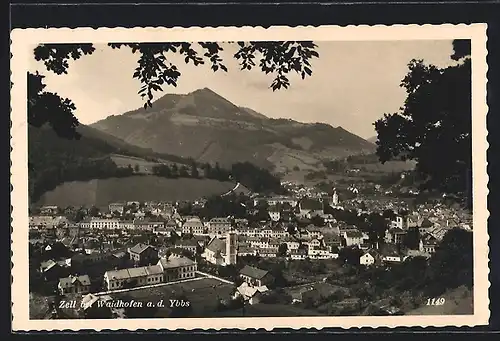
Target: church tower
[231,248]
[335,198]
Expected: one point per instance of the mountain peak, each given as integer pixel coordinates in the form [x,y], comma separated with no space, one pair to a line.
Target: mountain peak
[204,90]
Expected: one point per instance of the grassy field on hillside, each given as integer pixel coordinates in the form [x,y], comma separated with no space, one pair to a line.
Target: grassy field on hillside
[203,296]
[140,188]
[388,167]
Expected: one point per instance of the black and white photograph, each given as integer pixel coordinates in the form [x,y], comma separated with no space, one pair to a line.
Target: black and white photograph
[221,178]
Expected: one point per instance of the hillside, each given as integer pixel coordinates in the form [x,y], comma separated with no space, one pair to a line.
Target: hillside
[206,127]
[372,139]
[100,192]
[52,160]
[458,301]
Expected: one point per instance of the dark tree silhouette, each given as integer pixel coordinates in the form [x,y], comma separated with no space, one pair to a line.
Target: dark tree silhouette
[453,261]
[154,70]
[282,249]
[49,108]
[194,170]
[434,125]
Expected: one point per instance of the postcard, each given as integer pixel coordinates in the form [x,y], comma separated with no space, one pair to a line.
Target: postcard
[282,177]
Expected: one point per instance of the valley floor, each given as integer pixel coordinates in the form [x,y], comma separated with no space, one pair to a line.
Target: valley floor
[135,188]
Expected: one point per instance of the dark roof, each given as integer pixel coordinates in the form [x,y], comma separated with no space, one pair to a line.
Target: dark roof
[397,231]
[187,242]
[311,204]
[389,250]
[84,280]
[216,245]
[426,223]
[353,234]
[140,248]
[252,272]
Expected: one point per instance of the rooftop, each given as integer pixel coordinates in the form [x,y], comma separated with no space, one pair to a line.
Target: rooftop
[252,272]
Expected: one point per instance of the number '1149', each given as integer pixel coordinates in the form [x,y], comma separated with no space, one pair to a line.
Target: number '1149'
[436,301]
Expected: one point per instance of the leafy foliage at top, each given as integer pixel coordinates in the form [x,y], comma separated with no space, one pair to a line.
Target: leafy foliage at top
[434,125]
[154,70]
[49,108]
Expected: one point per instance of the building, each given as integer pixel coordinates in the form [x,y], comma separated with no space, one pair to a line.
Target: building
[279,200]
[368,258]
[250,294]
[193,226]
[47,222]
[274,213]
[215,251]
[390,253]
[428,244]
[309,208]
[143,254]
[164,231]
[126,225]
[245,250]
[117,207]
[51,270]
[50,209]
[95,307]
[190,245]
[256,277]
[312,243]
[219,226]
[133,277]
[148,225]
[74,285]
[103,223]
[312,231]
[395,235]
[321,253]
[299,254]
[353,238]
[291,244]
[79,260]
[335,198]
[231,248]
[176,268]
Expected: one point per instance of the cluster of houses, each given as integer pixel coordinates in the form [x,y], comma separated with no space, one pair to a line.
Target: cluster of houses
[222,240]
[145,267]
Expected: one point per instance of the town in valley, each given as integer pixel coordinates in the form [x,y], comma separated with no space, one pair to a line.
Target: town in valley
[300,253]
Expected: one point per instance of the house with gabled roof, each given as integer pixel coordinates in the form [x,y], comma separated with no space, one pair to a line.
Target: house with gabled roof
[395,235]
[310,207]
[391,254]
[370,257]
[215,251]
[425,226]
[142,254]
[177,268]
[428,243]
[219,226]
[51,270]
[353,238]
[256,277]
[74,285]
[250,294]
[274,213]
[193,225]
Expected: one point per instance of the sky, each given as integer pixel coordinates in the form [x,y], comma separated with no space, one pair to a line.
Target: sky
[353,83]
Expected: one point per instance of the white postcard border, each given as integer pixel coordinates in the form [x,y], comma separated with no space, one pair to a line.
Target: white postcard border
[22,42]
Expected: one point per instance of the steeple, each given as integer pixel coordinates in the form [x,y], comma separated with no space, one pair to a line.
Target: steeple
[335,197]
